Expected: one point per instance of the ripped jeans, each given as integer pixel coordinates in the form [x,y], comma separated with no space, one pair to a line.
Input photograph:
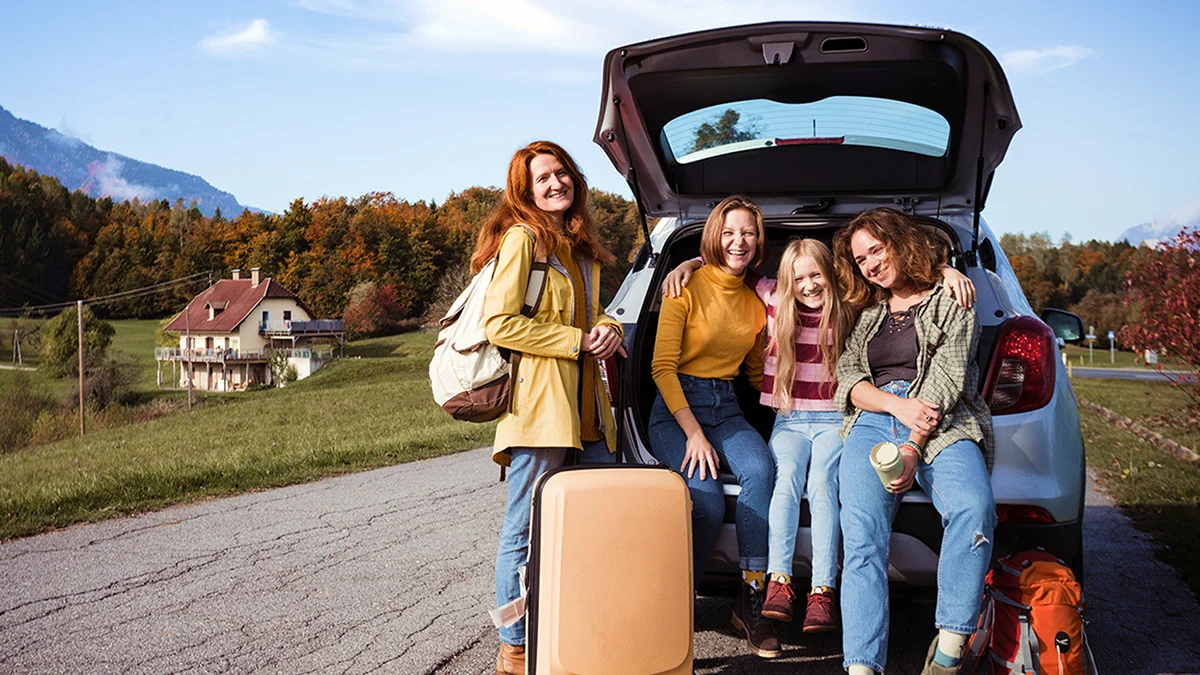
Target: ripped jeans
[957,482]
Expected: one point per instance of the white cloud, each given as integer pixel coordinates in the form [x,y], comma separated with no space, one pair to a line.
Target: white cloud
[110,183]
[583,28]
[251,36]
[1045,60]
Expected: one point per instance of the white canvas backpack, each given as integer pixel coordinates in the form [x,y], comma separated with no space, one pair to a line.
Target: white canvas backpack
[469,375]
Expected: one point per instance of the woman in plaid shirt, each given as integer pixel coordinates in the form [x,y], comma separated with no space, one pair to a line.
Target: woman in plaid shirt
[908,375]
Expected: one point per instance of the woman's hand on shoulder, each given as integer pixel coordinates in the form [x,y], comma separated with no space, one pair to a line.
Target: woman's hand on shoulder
[916,413]
[960,287]
[679,277]
[700,453]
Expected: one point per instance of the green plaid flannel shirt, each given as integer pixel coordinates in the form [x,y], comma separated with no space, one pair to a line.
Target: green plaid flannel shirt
[947,374]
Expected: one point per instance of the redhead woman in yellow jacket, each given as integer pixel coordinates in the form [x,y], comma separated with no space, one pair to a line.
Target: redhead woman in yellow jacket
[559,403]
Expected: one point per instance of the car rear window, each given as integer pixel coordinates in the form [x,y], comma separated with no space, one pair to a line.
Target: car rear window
[761,124]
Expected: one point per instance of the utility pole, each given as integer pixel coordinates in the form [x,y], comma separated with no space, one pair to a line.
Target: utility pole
[79,321]
[190,356]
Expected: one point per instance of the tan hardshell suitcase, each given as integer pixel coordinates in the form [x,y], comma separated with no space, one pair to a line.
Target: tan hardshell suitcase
[610,572]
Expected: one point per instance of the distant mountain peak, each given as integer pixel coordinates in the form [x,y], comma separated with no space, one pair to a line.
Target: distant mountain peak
[99,173]
[1165,228]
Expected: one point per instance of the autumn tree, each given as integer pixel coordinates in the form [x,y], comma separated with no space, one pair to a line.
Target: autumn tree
[1164,286]
[723,131]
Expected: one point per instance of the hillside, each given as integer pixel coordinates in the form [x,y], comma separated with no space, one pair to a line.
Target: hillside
[99,173]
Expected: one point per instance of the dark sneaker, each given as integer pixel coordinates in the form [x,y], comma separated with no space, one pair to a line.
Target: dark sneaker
[932,668]
[510,660]
[821,613]
[748,619]
[778,605]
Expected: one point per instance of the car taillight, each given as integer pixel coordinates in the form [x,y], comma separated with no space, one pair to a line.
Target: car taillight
[1021,376]
[1020,514]
[609,374]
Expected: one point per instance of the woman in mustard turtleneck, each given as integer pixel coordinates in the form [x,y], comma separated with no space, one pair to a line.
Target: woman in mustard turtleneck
[705,336]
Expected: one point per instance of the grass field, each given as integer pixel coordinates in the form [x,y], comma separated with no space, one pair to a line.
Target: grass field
[1155,405]
[1101,358]
[1159,492]
[355,414]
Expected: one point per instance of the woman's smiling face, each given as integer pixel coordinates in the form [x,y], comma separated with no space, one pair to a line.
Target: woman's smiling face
[874,260]
[553,188]
[739,240]
[810,283]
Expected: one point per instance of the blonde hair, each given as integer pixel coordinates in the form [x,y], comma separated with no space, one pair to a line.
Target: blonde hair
[710,241]
[836,320]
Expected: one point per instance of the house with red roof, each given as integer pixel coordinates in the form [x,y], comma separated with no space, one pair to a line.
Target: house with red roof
[229,331]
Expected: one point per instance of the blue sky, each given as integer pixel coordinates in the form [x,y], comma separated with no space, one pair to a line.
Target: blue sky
[277,100]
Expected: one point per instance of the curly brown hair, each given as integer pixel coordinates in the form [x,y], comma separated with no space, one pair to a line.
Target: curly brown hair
[915,258]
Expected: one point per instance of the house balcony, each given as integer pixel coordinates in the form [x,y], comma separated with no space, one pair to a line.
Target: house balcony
[234,355]
[211,355]
[323,328]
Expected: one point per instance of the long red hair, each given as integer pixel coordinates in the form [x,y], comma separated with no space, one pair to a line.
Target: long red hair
[517,207]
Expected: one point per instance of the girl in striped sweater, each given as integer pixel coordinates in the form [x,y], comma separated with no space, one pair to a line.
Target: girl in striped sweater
[807,326]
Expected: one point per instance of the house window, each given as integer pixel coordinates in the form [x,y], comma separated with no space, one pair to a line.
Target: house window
[266,319]
[226,343]
[287,315]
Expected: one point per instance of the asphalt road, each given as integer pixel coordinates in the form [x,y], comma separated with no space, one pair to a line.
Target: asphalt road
[1128,374]
[391,571]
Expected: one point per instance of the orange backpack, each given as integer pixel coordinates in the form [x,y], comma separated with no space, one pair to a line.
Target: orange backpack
[1032,620]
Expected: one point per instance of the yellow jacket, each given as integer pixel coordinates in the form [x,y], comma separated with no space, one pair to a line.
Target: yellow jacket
[545,403]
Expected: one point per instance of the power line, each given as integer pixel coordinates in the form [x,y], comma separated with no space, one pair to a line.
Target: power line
[161,287]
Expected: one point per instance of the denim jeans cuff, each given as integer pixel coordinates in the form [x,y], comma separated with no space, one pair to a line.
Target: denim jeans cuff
[961,630]
[754,563]
[511,641]
[870,664]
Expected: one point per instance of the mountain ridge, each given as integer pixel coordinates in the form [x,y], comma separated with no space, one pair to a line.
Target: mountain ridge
[1163,229]
[102,173]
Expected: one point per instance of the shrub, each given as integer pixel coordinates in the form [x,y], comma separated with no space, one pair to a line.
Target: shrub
[373,311]
[1164,285]
[20,407]
[448,290]
[60,342]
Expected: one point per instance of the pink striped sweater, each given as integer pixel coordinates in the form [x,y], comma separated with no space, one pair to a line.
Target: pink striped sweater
[808,392]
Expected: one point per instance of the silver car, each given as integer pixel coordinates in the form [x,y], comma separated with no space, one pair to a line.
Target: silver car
[817,122]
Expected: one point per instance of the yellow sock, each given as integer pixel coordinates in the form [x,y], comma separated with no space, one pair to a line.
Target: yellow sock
[822,590]
[754,578]
[781,578]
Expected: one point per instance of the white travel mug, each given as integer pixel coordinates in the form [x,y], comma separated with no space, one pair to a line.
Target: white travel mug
[885,457]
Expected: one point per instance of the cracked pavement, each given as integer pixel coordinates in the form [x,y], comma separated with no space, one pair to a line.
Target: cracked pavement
[391,571]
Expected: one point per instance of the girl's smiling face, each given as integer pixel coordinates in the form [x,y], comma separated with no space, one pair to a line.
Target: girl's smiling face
[810,283]
[739,240]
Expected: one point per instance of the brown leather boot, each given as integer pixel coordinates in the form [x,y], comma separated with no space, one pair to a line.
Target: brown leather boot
[748,619]
[510,660]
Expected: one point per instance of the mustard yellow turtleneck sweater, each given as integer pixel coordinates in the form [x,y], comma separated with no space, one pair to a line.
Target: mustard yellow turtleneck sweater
[709,331]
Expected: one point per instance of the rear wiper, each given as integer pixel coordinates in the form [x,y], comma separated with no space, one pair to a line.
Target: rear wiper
[822,205]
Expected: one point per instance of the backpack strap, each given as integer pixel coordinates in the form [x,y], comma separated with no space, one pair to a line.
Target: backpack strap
[982,638]
[535,287]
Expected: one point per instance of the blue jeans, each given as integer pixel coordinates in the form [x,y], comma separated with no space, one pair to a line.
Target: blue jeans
[527,465]
[806,445]
[741,450]
[957,482]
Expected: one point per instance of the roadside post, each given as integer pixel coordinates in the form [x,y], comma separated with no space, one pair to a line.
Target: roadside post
[1112,348]
[1091,338]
